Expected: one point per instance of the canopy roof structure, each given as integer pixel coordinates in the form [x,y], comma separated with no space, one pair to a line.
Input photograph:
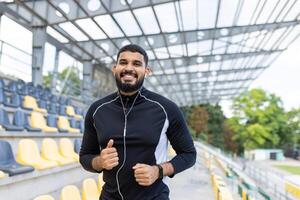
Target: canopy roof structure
[200,50]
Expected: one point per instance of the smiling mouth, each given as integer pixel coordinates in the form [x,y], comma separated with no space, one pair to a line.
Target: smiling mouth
[128,76]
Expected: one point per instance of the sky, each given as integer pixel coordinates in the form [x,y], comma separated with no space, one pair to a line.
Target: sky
[282,78]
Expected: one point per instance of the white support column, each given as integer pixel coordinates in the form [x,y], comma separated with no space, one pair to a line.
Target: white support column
[38,48]
[87,80]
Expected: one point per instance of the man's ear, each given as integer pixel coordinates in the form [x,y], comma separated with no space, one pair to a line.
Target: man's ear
[113,69]
[148,71]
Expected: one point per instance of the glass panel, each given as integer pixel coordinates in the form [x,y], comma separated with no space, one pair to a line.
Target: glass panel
[189,14]
[161,53]
[127,23]
[176,50]
[109,26]
[207,11]
[91,28]
[166,17]
[145,16]
[227,12]
[73,31]
[246,12]
[56,35]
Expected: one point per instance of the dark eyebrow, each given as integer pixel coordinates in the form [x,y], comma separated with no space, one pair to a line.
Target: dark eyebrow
[137,62]
[122,60]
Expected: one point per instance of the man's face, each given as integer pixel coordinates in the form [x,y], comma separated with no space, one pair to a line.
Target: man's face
[130,71]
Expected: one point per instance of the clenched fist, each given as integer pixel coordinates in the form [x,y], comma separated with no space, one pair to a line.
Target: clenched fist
[144,174]
[108,158]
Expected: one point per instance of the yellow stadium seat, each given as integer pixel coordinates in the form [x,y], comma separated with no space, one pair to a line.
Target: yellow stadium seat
[70,192]
[1,128]
[37,120]
[28,154]
[71,112]
[2,174]
[90,190]
[292,189]
[63,123]
[50,152]
[100,182]
[66,149]
[44,197]
[30,102]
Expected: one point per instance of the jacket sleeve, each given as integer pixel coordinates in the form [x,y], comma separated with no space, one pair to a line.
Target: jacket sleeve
[90,147]
[181,141]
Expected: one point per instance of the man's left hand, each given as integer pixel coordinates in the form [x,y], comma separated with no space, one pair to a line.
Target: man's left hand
[144,174]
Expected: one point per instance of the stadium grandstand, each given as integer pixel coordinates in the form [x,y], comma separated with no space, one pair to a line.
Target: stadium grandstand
[56,58]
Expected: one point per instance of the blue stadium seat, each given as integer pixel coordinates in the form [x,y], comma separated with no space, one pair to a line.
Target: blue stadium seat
[4,121]
[80,125]
[77,144]
[13,101]
[62,100]
[43,104]
[2,84]
[52,108]
[52,121]
[62,110]
[73,123]
[23,90]
[27,125]
[1,95]
[12,87]
[53,99]
[8,163]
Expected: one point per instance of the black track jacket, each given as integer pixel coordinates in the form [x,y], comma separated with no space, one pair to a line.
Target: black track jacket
[152,121]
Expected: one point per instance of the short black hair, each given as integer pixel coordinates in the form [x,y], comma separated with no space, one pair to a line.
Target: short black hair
[134,48]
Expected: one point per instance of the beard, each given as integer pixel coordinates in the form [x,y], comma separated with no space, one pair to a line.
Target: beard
[128,87]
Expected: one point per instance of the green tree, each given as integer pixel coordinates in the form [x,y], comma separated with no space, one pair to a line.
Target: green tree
[197,120]
[259,120]
[73,82]
[215,125]
[292,139]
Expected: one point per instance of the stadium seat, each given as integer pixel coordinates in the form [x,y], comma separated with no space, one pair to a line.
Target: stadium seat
[62,110]
[71,112]
[12,86]
[1,128]
[53,99]
[66,149]
[13,101]
[70,192]
[50,152]
[77,145]
[43,104]
[52,121]
[63,123]
[8,163]
[62,100]
[37,120]
[28,154]
[1,95]
[80,125]
[2,174]
[30,103]
[5,123]
[90,190]
[23,90]
[2,84]
[27,125]
[44,197]
[52,108]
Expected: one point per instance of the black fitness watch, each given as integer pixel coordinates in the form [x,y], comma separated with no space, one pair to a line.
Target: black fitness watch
[160,172]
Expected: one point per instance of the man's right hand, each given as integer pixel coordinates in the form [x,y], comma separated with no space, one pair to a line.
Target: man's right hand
[107,159]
